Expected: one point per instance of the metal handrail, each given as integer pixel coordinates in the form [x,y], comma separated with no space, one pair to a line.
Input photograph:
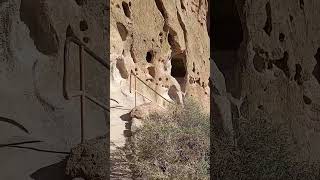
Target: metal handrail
[82,92]
[137,92]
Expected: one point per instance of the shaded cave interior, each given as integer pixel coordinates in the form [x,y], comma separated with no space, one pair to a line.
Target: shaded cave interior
[227,35]
[179,72]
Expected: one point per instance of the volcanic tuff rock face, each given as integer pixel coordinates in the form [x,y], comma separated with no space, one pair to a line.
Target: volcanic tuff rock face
[165,43]
[279,61]
[32,37]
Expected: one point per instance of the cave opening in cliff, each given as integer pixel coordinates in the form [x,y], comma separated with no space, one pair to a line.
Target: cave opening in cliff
[178,69]
[227,36]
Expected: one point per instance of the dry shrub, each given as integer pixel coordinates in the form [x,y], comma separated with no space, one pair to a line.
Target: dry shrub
[174,145]
[264,150]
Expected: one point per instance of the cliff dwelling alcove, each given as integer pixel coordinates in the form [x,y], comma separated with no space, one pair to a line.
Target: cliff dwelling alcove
[227,36]
[178,70]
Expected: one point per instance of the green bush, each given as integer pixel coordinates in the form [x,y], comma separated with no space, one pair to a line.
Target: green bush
[174,145]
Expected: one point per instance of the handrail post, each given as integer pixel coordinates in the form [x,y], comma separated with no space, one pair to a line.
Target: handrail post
[82,89]
[135,91]
[83,95]
[130,81]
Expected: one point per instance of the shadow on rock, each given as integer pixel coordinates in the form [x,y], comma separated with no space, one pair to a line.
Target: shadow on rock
[51,172]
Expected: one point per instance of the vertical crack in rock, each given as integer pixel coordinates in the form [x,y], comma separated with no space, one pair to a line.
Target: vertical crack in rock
[268,26]
[316,71]
[183,26]
[199,8]
[161,8]
[182,5]
[132,53]
[175,46]
[301,2]
[34,15]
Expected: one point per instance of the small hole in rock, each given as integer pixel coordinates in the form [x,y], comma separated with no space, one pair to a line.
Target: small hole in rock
[259,63]
[149,56]
[193,67]
[86,39]
[291,18]
[191,81]
[260,107]
[297,76]
[120,65]
[182,5]
[160,79]
[83,25]
[283,64]
[126,9]
[122,31]
[171,40]
[307,100]
[281,37]
[81,2]
[316,70]
[152,71]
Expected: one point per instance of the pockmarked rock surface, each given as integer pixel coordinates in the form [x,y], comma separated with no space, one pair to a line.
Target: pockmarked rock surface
[32,43]
[275,69]
[165,44]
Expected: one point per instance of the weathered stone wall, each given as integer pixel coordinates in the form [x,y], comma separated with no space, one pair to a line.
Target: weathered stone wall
[165,43]
[32,37]
[281,76]
[279,67]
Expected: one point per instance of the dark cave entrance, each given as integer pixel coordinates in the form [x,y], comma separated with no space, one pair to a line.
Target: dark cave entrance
[226,37]
[178,70]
